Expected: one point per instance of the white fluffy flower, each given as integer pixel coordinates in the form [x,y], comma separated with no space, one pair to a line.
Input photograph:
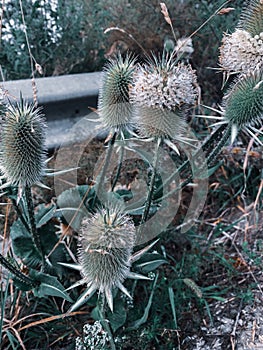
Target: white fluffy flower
[241,52]
[161,92]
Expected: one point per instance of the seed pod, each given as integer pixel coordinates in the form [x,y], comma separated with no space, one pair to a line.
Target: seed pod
[114,105]
[22,145]
[106,243]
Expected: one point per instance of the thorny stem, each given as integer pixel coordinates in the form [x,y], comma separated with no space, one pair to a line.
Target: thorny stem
[152,181]
[105,322]
[102,175]
[118,169]
[14,271]
[209,161]
[33,228]
[20,215]
[206,147]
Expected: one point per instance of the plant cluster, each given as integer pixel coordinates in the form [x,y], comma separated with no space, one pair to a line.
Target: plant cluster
[145,109]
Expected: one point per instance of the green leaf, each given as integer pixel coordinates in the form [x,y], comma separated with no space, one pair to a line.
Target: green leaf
[74,204]
[136,324]
[44,213]
[150,262]
[23,245]
[126,195]
[49,285]
[118,317]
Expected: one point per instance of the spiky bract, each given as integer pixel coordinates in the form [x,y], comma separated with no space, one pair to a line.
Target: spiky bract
[251,17]
[106,242]
[114,105]
[243,104]
[162,91]
[241,52]
[22,145]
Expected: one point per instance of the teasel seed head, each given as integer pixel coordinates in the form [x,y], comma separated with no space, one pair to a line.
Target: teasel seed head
[106,243]
[243,103]
[114,106]
[241,52]
[162,92]
[251,17]
[22,154]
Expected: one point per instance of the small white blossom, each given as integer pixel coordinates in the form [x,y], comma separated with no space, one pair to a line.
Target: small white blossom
[93,338]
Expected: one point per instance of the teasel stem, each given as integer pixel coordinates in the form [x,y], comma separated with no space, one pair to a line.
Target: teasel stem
[221,135]
[14,271]
[20,215]
[118,169]
[33,228]
[105,166]
[152,180]
[221,143]
[104,321]
[207,147]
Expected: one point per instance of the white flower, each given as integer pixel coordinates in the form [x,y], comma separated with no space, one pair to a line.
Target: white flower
[161,93]
[241,52]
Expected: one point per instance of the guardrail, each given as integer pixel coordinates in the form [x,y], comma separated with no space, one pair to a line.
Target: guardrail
[65,99]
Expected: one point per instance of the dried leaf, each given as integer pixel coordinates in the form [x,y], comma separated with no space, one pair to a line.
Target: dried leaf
[225,10]
[39,69]
[165,13]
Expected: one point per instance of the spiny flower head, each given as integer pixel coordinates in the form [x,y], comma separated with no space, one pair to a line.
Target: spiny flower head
[251,17]
[161,92]
[106,243]
[22,154]
[243,104]
[241,52]
[114,105]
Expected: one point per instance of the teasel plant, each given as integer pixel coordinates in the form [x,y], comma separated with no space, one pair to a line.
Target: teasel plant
[114,108]
[22,158]
[105,255]
[241,54]
[163,91]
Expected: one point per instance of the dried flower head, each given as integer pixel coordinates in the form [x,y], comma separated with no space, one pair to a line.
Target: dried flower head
[22,155]
[241,52]
[114,105]
[161,92]
[106,244]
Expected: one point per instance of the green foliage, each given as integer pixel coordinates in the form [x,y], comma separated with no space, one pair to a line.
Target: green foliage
[97,238]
